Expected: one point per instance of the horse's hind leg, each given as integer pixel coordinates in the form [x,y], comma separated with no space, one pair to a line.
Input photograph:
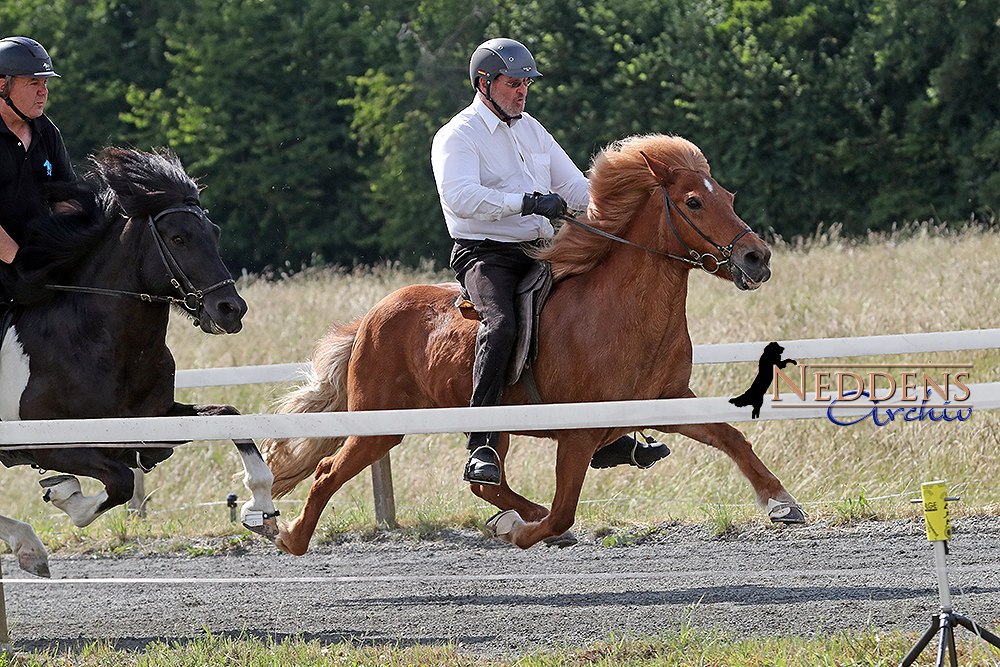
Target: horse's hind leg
[776,502]
[64,491]
[502,496]
[358,453]
[258,514]
[28,549]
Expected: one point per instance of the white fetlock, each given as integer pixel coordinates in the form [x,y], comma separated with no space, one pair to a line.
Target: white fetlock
[503,523]
[64,492]
[60,488]
[30,552]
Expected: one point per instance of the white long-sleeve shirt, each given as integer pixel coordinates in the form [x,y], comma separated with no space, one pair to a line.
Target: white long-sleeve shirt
[483,168]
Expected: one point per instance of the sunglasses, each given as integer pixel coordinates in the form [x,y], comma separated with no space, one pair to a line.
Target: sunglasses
[517,83]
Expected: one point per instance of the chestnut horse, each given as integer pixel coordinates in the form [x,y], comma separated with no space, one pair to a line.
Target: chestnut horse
[614,328]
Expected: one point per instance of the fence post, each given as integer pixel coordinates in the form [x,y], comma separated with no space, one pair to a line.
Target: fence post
[137,505]
[385,503]
[6,648]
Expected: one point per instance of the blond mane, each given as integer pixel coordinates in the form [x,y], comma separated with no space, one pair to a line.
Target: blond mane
[620,182]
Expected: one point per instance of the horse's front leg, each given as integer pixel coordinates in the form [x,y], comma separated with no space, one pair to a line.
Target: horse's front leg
[779,505]
[28,549]
[258,514]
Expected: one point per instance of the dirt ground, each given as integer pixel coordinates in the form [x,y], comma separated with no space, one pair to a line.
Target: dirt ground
[490,598]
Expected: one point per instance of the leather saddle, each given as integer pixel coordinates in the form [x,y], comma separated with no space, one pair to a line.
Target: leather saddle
[529,297]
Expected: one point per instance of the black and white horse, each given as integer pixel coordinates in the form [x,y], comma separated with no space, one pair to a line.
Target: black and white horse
[89,341]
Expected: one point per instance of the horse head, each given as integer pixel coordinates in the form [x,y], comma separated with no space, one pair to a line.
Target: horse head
[188,248]
[699,213]
[182,262]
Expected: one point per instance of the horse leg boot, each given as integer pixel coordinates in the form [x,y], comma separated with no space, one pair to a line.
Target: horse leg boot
[25,545]
[507,500]
[571,470]
[257,514]
[501,495]
[64,491]
[779,505]
[357,453]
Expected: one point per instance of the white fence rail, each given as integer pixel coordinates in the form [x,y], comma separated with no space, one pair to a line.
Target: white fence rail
[440,420]
[808,348]
[502,418]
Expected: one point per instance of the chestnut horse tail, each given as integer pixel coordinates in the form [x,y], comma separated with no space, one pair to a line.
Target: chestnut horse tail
[291,460]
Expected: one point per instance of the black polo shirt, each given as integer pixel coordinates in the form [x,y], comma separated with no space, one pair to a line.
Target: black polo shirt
[23,175]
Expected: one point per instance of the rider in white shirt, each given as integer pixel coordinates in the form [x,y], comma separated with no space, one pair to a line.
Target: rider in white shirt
[501,178]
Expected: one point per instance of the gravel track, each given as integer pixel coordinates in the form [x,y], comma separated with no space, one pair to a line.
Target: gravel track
[493,599]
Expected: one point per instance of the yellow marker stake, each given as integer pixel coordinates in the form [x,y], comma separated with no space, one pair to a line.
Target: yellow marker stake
[936,515]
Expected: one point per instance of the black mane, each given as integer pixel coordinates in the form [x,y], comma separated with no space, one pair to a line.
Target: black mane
[122,184]
[142,183]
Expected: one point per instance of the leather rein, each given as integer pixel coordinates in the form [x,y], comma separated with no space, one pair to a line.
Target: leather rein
[695,259]
[191,298]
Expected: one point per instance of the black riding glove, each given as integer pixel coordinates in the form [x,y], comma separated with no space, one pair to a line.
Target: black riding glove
[550,205]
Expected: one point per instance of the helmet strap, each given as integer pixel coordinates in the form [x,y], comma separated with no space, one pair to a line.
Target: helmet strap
[503,114]
[5,95]
[16,110]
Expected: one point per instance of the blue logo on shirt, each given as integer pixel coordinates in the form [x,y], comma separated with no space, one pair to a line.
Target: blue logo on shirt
[48,168]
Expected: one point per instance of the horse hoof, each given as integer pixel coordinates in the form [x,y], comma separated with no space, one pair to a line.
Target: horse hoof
[260,522]
[59,488]
[35,564]
[785,512]
[567,539]
[502,523]
[268,529]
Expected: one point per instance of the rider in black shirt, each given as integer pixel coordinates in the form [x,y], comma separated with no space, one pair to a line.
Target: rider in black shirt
[32,151]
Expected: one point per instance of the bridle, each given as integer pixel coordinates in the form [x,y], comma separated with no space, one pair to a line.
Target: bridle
[191,299]
[695,258]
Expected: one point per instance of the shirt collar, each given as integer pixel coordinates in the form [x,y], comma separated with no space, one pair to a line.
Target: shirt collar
[491,119]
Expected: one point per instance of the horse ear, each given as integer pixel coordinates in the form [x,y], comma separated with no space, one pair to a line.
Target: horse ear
[663,173]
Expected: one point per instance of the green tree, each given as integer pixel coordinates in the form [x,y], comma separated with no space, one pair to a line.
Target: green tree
[397,108]
[932,97]
[252,105]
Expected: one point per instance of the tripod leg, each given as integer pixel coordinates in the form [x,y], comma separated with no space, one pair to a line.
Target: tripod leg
[943,645]
[983,634]
[949,630]
[922,644]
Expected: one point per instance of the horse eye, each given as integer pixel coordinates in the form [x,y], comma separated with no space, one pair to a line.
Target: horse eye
[178,240]
[693,203]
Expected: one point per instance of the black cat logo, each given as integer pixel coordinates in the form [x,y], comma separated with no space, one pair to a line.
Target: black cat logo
[755,394]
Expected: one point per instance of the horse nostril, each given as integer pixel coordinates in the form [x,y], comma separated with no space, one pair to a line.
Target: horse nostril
[229,309]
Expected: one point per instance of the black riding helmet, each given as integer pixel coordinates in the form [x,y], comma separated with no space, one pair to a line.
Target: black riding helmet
[500,56]
[22,56]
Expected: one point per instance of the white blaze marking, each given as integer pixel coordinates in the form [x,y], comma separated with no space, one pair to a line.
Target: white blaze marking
[708,186]
[13,376]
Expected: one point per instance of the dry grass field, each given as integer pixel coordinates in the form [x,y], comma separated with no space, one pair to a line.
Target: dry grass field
[920,280]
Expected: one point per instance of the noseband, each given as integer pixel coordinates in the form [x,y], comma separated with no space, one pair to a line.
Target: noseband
[191,298]
[695,259]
